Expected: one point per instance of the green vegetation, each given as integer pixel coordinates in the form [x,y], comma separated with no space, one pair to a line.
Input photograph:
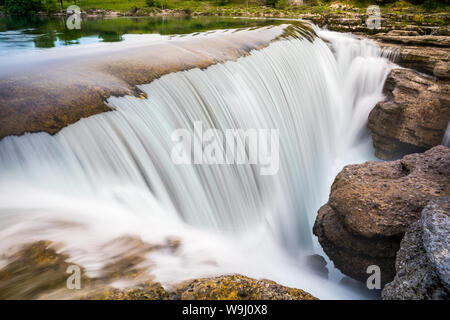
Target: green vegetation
[261,7]
[229,7]
[29,7]
[21,7]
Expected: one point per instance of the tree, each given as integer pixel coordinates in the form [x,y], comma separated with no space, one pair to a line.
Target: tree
[23,7]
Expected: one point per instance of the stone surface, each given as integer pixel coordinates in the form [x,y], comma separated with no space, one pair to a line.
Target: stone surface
[428,25]
[351,253]
[35,269]
[371,206]
[435,222]
[413,117]
[423,261]
[237,287]
[38,271]
[413,38]
[434,61]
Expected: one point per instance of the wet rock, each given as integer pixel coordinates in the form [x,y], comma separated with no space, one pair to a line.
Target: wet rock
[350,252]
[127,259]
[423,261]
[371,205]
[237,287]
[317,264]
[38,271]
[35,269]
[357,286]
[414,116]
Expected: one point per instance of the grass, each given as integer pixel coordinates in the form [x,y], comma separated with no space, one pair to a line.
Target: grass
[254,7]
[118,5]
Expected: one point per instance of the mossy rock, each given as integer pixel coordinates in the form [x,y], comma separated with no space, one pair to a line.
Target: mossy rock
[237,287]
[37,268]
[39,271]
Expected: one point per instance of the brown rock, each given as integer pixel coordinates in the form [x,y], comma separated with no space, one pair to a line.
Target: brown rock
[414,39]
[237,287]
[35,269]
[431,60]
[413,117]
[38,271]
[372,204]
[422,263]
[350,253]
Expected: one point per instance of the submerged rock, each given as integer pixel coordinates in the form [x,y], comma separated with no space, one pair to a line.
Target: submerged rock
[38,271]
[371,205]
[423,261]
[414,116]
[34,270]
[317,264]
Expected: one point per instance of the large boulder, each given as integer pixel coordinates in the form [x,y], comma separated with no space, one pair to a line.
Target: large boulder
[371,205]
[414,116]
[423,261]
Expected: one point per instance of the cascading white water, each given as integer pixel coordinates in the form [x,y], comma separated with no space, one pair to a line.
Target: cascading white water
[446,138]
[112,172]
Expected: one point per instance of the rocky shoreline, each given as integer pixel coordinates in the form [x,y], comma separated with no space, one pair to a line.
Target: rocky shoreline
[337,17]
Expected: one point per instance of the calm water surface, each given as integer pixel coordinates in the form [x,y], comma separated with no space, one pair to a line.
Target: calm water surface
[22,35]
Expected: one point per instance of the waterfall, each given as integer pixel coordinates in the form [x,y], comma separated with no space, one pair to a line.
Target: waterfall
[446,138]
[112,172]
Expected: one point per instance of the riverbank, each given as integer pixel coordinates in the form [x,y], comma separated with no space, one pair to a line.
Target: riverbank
[399,13]
[341,18]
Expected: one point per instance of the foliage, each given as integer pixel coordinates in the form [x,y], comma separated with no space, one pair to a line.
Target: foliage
[419,19]
[50,5]
[23,7]
[163,4]
[282,4]
[430,4]
[29,7]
